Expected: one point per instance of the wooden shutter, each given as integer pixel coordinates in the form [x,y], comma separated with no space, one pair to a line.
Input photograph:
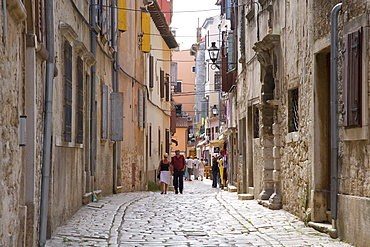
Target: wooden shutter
[167,87]
[140,108]
[162,83]
[145,29]
[117,116]
[352,79]
[122,15]
[167,141]
[67,92]
[151,71]
[104,112]
[80,100]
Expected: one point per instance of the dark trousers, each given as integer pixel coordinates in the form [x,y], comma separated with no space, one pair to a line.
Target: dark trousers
[215,175]
[178,181]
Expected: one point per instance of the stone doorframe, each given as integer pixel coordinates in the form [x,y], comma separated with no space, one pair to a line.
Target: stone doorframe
[267,51]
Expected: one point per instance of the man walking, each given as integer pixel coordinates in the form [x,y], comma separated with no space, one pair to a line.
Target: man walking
[178,164]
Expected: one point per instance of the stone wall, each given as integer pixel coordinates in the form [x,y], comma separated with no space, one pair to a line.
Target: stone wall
[12,210]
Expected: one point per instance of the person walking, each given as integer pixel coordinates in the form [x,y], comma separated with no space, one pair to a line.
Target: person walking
[196,163]
[164,172]
[215,172]
[186,168]
[189,167]
[178,165]
[201,169]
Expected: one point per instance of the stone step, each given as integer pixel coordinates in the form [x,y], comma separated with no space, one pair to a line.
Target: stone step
[245,197]
[232,188]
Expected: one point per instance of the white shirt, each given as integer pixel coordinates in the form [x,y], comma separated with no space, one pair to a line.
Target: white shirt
[189,163]
[196,163]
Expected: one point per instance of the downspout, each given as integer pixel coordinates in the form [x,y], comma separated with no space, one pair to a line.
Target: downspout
[334,110]
[93,14]
[49,28]
[115,83]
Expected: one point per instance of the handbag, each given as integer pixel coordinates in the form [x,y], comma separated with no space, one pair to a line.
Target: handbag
[159,175]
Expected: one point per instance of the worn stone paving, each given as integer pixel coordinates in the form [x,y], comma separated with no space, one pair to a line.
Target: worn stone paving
[202,216]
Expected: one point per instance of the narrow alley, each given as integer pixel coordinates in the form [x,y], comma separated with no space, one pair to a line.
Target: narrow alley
[202,216]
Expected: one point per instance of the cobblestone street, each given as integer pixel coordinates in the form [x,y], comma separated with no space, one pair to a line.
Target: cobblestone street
[202,216]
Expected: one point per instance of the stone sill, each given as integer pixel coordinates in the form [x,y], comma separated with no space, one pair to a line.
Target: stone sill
[356,134]
[292,137]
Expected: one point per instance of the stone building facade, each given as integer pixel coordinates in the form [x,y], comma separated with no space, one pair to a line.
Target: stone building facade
[76,103]
[283,108]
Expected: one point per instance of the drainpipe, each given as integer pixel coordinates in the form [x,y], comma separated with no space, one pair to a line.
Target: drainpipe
[93,15]
[334,109]
[115,83]
[49,21]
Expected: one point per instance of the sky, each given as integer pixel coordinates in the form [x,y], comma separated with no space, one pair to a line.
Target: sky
[185,19]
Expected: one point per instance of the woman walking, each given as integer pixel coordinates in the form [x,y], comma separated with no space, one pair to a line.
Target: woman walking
[164,173]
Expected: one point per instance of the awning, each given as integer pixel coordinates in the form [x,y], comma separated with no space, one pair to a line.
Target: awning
[217,143]
[202,143]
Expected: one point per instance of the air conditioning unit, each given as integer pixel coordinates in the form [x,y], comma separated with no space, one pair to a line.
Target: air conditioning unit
[190,118]
[185,113]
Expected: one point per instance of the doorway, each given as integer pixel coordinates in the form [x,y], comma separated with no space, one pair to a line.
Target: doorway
[322,168]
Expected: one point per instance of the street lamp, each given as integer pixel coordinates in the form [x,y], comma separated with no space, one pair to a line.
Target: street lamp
[214,110]
[213,54]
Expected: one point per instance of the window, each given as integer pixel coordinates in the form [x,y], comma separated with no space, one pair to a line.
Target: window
[67,92]
[140,108]
[352,79]
[162,84]
[178,87]
[80,101]
[150,141]
[151,71]
[167,85]
[256,122]
[104,20]
[218,82]
[104,112]
[293,115]
[193,69]
[167,141]
[178,110]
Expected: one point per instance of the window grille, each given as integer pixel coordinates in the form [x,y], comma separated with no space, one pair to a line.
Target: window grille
[67,92]
[293,110]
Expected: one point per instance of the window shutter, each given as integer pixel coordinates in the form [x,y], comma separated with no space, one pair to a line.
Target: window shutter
[145,29]
[140,108]
[80,101]
[167,141]
[122,15]
[162,83]
[117,116]
[352,79]
[151,71]
[168,88]
[104,112]
[67,92]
